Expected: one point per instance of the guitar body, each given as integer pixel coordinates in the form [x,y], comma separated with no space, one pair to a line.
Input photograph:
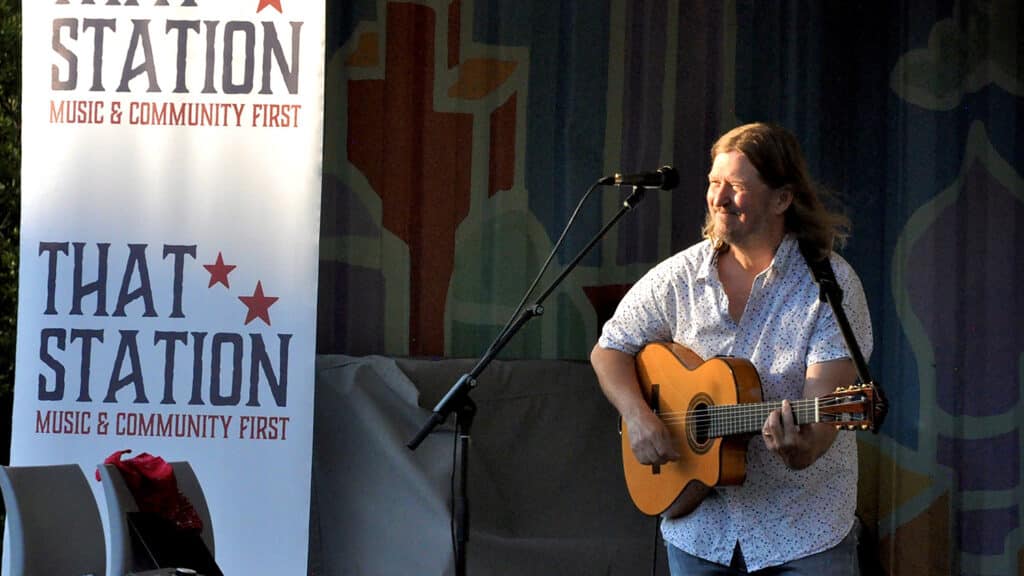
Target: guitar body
[675,380]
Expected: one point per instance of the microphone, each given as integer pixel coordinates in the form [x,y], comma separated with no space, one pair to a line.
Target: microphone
[665,178]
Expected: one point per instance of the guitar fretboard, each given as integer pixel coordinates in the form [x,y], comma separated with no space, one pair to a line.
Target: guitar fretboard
[727,420]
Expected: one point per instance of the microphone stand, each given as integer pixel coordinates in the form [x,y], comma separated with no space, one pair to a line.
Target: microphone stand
[457,399]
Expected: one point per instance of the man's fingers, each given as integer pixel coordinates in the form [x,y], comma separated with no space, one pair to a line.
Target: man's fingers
[652,444]
[655,452]
[788,420]
[772,430]
[668,455]
[667,447]
[772,424]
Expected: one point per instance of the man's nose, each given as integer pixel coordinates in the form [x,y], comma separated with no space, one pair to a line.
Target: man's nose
[722,195]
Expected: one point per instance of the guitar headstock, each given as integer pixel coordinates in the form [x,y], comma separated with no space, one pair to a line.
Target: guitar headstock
[857,407]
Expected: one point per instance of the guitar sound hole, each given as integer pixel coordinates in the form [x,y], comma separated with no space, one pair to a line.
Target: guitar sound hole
[700,428]
[699,424]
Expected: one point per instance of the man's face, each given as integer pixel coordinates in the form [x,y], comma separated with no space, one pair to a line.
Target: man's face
[742,208]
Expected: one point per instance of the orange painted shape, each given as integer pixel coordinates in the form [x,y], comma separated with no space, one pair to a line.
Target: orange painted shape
[418,161]
[920,546]
[478,77]
[884,485]
[365,134]
[503,147]
[367,52]
[454,32]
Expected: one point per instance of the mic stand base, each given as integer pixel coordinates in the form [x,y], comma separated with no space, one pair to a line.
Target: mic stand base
[460,505]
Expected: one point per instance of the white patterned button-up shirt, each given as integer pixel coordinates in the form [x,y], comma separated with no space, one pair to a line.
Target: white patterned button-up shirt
[778,514]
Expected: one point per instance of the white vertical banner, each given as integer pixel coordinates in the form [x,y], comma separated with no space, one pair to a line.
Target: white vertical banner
[170,218]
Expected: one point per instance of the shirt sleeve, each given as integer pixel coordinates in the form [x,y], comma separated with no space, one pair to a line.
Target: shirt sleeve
[827,342]
[643,314]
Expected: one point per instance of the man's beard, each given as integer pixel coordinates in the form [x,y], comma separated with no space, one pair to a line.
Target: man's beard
[719,232]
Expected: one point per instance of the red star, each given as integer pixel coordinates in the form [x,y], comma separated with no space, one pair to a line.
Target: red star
[272,3]
[219,271]
[258,304]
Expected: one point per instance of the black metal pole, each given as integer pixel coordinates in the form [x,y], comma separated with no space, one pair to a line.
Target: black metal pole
[460,504]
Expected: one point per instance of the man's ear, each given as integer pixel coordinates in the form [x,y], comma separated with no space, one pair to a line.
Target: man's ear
[783,198]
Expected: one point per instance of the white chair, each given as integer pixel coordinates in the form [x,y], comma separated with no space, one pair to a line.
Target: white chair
[54,522]
[120,502]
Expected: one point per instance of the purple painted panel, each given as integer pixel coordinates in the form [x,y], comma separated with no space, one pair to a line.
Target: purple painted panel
[342,212]
[644,79]
[984,464]
[964,280]
[986,531]
[351,320]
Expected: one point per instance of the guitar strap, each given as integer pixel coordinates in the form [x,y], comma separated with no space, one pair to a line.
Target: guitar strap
[832,293]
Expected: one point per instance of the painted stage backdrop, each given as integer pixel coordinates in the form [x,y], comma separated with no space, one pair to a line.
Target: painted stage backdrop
[460,134]
[170,222]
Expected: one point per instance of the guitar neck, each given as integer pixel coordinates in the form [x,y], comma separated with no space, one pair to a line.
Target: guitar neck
[727,420]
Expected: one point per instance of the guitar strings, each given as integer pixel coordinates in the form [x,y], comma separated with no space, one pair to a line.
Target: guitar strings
[713,411]
[742,413]
[728,419]
[761,407]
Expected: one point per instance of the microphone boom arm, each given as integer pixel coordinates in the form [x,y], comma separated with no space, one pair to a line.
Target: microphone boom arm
[460,390]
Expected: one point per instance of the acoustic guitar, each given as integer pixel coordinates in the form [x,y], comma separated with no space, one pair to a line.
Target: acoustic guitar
[712,407]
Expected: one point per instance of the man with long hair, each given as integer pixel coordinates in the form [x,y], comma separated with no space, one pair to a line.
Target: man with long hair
[746,291]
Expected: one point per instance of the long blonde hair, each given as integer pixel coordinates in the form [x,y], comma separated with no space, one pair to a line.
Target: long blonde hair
[775,153]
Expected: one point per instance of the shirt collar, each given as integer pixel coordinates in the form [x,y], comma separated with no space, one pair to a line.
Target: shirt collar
[784,255]
[709,257]
[780,262]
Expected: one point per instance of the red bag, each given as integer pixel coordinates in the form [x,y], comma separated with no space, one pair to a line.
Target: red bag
[151,481]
